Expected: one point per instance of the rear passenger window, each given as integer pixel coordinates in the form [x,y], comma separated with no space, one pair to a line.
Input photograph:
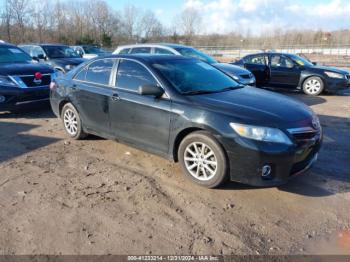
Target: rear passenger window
[132,75]
[124,51]
[161,51]
[141,50]
[99,71]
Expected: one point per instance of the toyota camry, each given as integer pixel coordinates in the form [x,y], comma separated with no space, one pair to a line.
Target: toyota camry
[188,111]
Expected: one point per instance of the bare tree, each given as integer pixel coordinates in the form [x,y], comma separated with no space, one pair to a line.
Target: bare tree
[189,22]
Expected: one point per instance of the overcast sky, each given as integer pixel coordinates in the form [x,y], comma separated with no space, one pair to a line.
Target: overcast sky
[254,16]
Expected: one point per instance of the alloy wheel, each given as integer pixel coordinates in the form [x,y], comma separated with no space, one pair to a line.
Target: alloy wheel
[70,122]
[200,161]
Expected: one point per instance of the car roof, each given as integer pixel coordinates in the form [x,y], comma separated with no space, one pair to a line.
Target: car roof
[43,44]
[269,53]
[148,58]
[169,45]
[4,44]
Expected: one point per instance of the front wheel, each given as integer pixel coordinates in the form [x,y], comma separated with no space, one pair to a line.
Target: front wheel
[313,86]
[72,122]
[203,159]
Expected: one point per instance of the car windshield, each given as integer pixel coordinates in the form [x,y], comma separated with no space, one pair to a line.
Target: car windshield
[191,52]
[191,76]
[60,52]
[93,50]
[300,60]
[13,55]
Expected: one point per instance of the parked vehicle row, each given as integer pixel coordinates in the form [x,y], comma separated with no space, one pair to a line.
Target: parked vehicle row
[189,111]
[294,72]
[239,74]
[177,102]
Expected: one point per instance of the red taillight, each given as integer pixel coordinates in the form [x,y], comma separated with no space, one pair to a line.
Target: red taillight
[38,75]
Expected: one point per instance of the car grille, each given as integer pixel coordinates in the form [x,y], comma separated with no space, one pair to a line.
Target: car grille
[28,80]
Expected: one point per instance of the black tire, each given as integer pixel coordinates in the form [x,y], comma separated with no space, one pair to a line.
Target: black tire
[78,133]
[222,168]
[313,86]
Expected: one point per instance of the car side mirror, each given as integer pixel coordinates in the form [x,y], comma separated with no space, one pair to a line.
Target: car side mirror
[151,90]
[314,63]
[35,58]
[41,57]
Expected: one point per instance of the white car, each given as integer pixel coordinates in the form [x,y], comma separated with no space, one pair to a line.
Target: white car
[239,74]
[89,51]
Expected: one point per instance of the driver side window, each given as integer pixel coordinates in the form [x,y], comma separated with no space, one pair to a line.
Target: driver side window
[281,61]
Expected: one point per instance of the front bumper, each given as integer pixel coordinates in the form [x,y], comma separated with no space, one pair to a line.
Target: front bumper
[247,159]
[13,98]
[333,84]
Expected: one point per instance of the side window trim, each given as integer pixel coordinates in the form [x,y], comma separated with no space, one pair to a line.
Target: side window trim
[128,90]
[86,68]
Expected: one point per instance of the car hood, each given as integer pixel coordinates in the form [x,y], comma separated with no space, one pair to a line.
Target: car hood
[24,68]
[231,69]
[255,106]
[67,61]
[328,68]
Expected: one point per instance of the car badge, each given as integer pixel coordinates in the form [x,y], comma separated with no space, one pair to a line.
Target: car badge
[37,78]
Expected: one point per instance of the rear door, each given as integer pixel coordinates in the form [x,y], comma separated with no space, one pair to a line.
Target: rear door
[283,72]
[93,89]
[143,121]
[258,65]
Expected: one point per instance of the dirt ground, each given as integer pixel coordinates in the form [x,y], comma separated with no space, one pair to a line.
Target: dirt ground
[59,196]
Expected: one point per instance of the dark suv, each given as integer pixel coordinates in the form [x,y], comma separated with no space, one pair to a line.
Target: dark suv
[22,80]
[61,57]
[189,111]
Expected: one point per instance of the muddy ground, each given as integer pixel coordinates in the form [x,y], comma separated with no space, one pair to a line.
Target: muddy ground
[59,196]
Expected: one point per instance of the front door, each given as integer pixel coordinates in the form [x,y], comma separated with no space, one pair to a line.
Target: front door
[284,72]
[143,121]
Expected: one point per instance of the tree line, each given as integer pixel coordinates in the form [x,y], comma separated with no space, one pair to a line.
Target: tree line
[95,22]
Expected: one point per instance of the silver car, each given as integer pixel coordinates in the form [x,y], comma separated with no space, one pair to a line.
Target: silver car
[239,74]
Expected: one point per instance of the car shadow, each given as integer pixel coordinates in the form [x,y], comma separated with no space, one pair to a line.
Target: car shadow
[39,111]
[16,142]
[330,174]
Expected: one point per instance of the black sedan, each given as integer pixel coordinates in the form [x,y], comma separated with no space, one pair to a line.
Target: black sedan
[22,81]
[189,111]
[61,57]
[294,72]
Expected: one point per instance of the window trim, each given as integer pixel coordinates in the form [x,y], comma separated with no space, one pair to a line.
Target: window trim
[86,67]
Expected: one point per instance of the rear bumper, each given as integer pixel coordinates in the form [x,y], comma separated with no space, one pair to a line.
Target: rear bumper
[13,98]
[247,159]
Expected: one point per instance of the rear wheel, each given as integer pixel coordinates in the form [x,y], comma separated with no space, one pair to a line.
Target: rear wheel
[72,122]
[313,86]
[203,159]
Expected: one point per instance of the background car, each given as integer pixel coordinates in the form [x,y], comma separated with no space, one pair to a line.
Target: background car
[61,57]
[22,81]
[294,72]
[90,51]
[240,75]
[189,111]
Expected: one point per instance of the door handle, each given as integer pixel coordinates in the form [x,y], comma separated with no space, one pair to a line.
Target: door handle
[115,97]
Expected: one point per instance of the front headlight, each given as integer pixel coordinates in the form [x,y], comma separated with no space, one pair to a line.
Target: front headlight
[260,133]
[334,75]
[6,81]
